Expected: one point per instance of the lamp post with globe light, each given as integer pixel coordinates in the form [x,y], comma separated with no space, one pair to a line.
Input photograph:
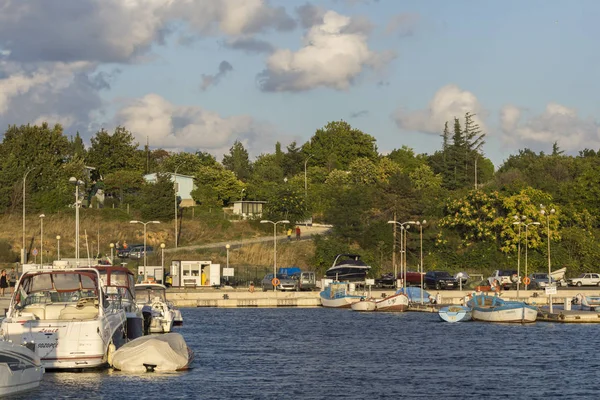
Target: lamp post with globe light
[58,247]
[112,253]
[42,216]
[526,246]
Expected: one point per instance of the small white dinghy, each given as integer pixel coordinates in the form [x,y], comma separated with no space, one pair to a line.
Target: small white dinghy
[364,305]
[20,369]
[161,353]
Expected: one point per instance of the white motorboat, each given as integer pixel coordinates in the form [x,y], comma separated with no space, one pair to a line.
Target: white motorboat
[154,295]
[177,317]
[20,369]
[119,286]
[364,305]
[65,315]
[159,353]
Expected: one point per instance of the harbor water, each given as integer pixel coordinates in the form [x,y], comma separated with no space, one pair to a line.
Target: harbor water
[317,353]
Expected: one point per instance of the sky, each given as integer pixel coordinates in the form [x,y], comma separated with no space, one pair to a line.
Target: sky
[197,75]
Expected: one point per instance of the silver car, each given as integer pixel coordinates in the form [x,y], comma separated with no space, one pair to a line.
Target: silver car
[285,282]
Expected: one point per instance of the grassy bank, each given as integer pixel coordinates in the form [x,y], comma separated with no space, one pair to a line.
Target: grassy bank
[99,228]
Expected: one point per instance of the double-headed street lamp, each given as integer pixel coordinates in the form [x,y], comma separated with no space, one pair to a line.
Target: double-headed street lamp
[144,223]
[403,226]
[547,215]
[42,216]
[77,183]
[265,221]
[526,246]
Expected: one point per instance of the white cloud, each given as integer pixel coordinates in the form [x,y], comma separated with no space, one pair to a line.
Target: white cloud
[333,55]
[556,124]
[173,126]
[448,102]
[121,30]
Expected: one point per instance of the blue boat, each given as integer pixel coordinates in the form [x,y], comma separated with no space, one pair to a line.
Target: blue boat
[455,313]
[494,309]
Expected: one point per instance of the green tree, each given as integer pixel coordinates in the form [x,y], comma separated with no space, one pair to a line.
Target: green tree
[216,186]
[157,199]
[238,162]
[111,152]
[338,144]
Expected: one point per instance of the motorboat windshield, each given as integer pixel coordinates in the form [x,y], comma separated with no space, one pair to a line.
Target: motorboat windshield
[148,293]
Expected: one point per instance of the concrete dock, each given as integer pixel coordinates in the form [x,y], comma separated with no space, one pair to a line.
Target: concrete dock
[240,298]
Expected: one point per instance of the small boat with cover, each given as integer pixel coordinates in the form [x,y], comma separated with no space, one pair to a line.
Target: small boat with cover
[494,309]
[160,353]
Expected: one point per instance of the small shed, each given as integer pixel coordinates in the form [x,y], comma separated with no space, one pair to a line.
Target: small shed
[184,184]
[248,208]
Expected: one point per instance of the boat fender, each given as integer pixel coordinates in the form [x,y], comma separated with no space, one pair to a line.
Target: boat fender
[111,351]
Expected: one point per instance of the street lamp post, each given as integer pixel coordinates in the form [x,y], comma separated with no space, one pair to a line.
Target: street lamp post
[526,246]
[162,250]
[144,223]
[176,190]
[227,246]
[23,253]
[112,253]
[547,214]
[264,221]
[58,247]
[420,225]
[305,177]
[402,247]
[519,221]
[42,239]
[77,183]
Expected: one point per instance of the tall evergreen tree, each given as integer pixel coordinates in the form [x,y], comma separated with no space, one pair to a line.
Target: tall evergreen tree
[238,162]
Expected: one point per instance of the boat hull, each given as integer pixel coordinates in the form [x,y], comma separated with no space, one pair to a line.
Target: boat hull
[396,302]
[494,309]
[20,369]
[340,302]
[455,314]
[364,305]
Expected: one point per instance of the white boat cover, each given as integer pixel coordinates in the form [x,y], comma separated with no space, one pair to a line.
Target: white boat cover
[168,352]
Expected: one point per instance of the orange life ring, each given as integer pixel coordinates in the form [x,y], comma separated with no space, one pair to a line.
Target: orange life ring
[275,282]
[526,280]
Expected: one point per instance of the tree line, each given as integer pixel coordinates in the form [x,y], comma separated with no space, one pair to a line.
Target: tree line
[339,177]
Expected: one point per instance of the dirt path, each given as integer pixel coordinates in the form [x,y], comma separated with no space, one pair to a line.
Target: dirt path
[307,234]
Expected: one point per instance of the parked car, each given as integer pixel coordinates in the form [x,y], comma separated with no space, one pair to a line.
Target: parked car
[124,252]
[585,279]
[507,278]
[285,282]
[439,280]
[385,281]
[306,280]
[137,252]
[540,280]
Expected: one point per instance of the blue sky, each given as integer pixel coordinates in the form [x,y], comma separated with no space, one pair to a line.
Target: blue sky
[394,69]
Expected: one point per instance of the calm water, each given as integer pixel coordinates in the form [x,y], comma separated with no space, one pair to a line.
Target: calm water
[290,353]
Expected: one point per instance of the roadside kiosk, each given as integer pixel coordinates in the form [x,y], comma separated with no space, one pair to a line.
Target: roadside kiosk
[195,274]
